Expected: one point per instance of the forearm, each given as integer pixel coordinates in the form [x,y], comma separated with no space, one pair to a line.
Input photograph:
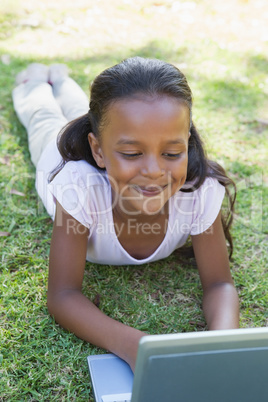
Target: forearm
[221,306]
[73,311]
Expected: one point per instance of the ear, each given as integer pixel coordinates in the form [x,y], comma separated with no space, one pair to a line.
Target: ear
[96,150]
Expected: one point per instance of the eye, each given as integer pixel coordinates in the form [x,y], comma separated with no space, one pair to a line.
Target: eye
[130,155]
[172,156]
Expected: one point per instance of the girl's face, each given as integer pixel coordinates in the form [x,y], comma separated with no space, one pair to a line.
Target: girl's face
[144,148]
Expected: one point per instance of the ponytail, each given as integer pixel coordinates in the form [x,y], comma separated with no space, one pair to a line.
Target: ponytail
[73,143]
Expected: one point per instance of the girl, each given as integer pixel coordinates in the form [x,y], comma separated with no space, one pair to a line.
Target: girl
[129,183]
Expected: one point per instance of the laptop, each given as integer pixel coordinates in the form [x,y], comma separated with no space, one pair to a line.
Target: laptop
[213,366]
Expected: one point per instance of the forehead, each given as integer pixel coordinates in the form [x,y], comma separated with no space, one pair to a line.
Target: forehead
[146,113]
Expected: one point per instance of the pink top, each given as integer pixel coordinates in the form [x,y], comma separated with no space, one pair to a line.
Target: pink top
[85,193]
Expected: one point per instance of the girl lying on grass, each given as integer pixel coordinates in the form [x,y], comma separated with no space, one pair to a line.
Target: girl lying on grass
[126,182]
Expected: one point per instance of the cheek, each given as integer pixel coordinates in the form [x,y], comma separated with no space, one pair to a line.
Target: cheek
[179,173]
[181,168]
[184,170]
[121,170]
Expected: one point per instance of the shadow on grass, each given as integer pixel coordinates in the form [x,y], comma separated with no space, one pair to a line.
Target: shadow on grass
[229,94]
[258,62]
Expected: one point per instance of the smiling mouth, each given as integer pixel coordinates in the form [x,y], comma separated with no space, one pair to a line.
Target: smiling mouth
[150,191]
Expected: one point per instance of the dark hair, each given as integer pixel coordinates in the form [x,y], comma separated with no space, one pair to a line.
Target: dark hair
[149,77]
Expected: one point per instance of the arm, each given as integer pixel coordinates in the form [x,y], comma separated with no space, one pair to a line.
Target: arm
[220,301]
[66,302]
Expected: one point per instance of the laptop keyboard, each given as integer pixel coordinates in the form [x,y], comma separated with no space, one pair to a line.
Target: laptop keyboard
[117,398]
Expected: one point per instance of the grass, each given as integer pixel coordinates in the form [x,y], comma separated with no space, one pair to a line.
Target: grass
[226,69]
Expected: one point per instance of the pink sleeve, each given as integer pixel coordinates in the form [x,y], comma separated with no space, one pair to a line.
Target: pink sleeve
[69,189]
[207,205]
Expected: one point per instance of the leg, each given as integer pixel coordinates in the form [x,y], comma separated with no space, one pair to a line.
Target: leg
[40,114]
[71,98]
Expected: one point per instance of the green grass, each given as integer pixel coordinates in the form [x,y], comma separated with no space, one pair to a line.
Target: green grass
[38,359]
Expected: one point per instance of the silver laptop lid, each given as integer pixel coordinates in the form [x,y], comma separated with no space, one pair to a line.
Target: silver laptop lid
[213,366]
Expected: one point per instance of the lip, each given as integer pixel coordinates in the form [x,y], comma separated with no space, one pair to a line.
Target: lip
[150,191]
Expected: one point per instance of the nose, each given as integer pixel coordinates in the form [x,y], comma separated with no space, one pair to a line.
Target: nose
[151,168]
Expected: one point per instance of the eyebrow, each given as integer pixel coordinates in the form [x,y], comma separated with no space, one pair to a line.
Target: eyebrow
[134,142]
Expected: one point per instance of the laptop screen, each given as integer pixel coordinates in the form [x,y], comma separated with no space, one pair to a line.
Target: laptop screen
[209,366]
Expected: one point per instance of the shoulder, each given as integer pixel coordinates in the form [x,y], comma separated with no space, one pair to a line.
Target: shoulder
[80,189]
[210,194]
[210,184]
[210,188]
[201,206]
[81,173]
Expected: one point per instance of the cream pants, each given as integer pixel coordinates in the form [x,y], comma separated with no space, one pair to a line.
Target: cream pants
[44,110]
